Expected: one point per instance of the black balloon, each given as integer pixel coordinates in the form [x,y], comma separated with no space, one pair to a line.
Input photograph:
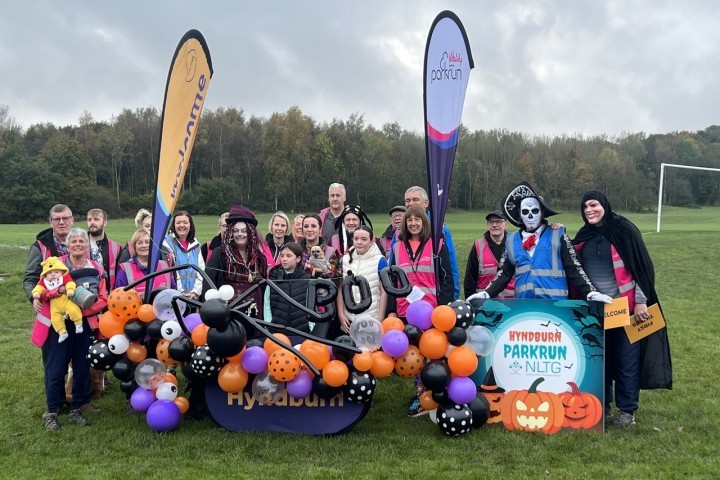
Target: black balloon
[100,357]
[360,387]
[464,313]
[128,386]
[435,375]
[124,370]
[457,336]
[454,420]
[190,374]
[440,397]
[215,313]
[135,330]
[480,408]
[323,390]
[181,349]
[413,333]
[205,362]
[342,354]
[154,329]
[255,342]
[228,341]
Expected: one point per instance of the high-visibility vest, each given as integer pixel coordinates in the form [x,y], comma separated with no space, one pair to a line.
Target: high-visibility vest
[134,273]
[114,249]
[487,269]
[625,281]
[543,275]
[420,273]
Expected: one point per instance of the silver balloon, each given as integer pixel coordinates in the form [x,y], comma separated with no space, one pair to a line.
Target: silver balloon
[367,333]
[162,306]
[480,340]
[150,373]
[266,389]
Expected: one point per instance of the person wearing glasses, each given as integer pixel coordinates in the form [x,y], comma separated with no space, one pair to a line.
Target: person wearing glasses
[397,213]
[208,247]
[482,263]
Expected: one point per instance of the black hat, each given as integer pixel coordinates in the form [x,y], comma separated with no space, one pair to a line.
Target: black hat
[397,208]
[511,206]
[241,213]
[355,210]
[494,213]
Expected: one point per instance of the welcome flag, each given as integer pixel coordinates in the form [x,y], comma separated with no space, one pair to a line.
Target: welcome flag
[448,62]
[185,92]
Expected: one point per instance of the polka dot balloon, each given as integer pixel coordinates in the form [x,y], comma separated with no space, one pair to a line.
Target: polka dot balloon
[454,420]
[360,387]
[464,313]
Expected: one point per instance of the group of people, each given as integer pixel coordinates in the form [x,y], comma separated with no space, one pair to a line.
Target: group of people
[606,259]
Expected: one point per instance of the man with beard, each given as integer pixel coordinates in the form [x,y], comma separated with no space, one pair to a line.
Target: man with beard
[102,249]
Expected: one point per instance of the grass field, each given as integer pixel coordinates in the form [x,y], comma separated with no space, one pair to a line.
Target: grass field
[676,436]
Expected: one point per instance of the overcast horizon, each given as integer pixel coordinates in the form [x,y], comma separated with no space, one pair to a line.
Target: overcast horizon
[541,68]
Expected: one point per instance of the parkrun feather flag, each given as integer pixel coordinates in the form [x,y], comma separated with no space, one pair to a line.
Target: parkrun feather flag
[447,67]
[187,85]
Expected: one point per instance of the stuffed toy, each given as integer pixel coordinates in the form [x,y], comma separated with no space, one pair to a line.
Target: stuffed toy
[57,287]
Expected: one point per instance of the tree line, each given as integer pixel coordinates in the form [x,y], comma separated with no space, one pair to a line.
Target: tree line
[288,160]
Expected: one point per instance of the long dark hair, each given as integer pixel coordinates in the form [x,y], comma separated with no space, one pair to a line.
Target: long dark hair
[364,228]
[256,260]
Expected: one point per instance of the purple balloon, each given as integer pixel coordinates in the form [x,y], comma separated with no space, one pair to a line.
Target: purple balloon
[163,416]
[420,314]
[255,360]
[192,321]
[461,390]
[395,343]
[301,385]
[141,399]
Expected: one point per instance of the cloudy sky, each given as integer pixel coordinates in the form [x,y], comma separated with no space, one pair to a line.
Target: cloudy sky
[541,67]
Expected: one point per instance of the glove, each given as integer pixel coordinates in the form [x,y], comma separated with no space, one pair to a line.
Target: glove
[599,297]
[481,295]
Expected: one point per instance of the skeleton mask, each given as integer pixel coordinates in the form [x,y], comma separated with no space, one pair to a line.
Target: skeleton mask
[531,213]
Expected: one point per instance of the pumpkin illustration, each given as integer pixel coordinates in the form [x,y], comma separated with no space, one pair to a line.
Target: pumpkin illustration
[494,394]
[532,410]
[582,409]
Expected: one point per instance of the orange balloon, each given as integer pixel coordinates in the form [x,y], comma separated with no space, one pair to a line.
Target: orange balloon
[199,335]
[363,361]
[335,373]
[163,354]
[136,352]
[182,403]
[271,346]
[409,363]
[110,325]
[316,352]
[443,318]
[462,361]
[427,402]
[433,343]
[383,364]
[237,358]
[232,378]
[169,377]
[146,313]
[124,304]
[283,365]
[392,323]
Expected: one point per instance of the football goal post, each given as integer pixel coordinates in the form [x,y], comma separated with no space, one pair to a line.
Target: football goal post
[662,183]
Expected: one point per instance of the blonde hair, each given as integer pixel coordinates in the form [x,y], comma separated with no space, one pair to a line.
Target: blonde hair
[141,215]
[136,236]
[282,215]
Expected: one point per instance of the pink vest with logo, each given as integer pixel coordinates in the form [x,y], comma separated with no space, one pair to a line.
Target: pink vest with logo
[487,269]
[420,273]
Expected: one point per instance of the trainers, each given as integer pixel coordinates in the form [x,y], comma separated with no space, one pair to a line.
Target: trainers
[52,422]
[77,417]
[90,408]
[624,420]
[415,409]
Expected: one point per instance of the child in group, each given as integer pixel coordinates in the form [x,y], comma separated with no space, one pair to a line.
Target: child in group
[57,286]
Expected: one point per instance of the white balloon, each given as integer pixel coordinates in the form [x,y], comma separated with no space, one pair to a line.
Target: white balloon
[367,333]
[212,293]
[432,415]
[226,292]
[118,344]
[480,340]
[171,330]
[166,391]
[163,307]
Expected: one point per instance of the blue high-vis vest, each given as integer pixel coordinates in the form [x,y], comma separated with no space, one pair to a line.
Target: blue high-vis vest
[543,275]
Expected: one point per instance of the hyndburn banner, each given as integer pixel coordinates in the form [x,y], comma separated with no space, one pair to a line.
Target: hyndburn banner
[187,86]
[448,62]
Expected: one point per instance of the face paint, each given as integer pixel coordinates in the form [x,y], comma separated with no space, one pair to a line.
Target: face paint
[531,213]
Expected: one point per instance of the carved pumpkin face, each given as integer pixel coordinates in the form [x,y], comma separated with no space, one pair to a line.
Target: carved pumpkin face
[582,410]
[495,400]
[532,410]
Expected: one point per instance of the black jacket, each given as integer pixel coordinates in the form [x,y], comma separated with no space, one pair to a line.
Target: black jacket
[295,286]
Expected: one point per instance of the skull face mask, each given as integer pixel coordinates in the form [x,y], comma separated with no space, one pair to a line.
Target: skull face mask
[531,213]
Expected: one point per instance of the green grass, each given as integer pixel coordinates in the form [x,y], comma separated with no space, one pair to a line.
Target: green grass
[676,436]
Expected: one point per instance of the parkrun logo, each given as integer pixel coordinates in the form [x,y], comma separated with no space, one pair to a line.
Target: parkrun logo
[449,68]
[189,130]
[247,400]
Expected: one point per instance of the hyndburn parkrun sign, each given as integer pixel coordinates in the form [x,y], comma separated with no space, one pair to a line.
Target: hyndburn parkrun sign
[310,415]
[545,371]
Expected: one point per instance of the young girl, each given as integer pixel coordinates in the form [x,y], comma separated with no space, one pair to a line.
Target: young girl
[363,259]
[292,279]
